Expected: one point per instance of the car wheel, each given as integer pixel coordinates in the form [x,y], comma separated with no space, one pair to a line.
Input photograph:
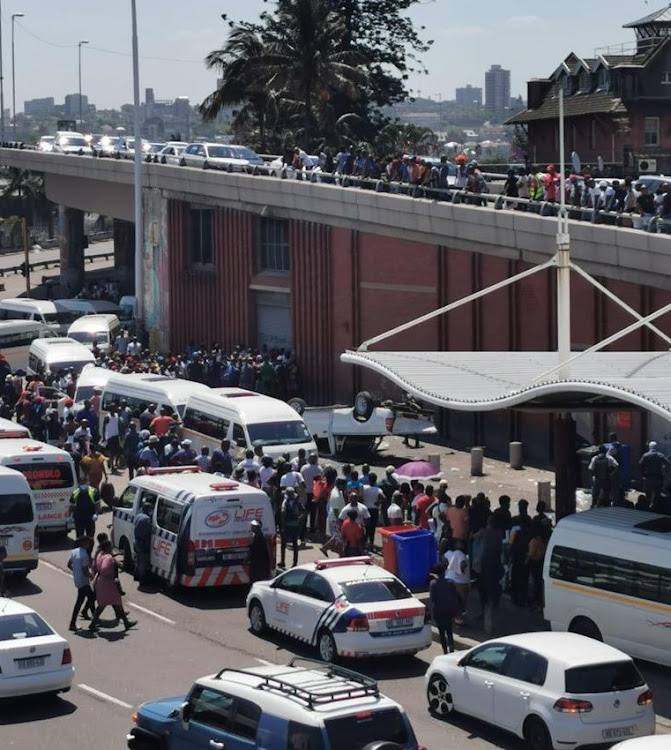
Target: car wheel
[182,163]
[297,404]
[229,168]
[164,160]
[363,406]
[126,556]
[257,617]
[536,734]
[206,165]
[584,626]
[326,646]
[439,696]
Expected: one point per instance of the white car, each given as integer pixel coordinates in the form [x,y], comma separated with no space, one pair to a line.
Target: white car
[660,742]
[556,690]
[46,143]
[33,657]
[124,148]
[346,607]
[276,166]
[170,153]
[66,142]
[217,156]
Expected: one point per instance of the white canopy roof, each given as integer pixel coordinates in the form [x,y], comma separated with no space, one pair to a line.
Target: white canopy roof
[483,381]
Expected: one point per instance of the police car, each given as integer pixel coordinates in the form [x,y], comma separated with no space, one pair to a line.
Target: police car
[346,607]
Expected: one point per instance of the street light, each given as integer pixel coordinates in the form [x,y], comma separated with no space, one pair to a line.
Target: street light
[137,174]
[2,86]
[14,17]
[79,46]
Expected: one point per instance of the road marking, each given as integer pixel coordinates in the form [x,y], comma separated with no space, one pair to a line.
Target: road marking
[55,567]
[103,696]
[152,614]
[264,662]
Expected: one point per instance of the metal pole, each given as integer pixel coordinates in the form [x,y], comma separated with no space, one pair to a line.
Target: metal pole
[26,253]
[2,86]
[137,177]
[563,258]
[79,45]
[14,17]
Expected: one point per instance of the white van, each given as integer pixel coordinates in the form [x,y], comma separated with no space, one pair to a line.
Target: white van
[13,429]
[607,575]
[200,525]
[96,330]
[39,310]
[18,523]
[141,389]
[88,306]
[246,419]
[51,475]
[60,353]
[90,378]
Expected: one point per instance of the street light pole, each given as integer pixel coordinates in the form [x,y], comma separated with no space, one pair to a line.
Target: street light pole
[2,86]
[137,177]
[14,17]
[79,46]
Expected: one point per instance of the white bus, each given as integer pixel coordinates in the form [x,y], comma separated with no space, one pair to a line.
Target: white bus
[51,475]
[247,419]
[607,575]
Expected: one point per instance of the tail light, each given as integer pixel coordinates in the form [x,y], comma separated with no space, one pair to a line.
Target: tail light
[571,706]
[67,656]
[389,424]
[358,624]
[645,699]
[427,615]
[191,555]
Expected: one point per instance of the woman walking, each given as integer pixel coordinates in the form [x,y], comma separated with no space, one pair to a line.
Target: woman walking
[108,587]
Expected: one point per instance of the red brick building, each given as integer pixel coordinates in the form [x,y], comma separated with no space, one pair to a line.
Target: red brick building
[617,104]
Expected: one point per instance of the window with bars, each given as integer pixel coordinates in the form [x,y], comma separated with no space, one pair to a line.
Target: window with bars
[201,239]
[273,245]
[651,131]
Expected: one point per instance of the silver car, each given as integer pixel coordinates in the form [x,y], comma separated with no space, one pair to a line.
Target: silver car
[217,156]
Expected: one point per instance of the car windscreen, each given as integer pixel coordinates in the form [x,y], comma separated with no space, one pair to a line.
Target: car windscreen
[62,317]
[73,141]
[46,476]
[89,337]
[245,153]
[15,508]
[219,152]
[29,625]
[385,590]
[77,365]
[603,678]
[358,730]
[279,433]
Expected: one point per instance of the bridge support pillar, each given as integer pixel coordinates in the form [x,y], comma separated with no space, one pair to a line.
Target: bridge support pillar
[565,458]
[124,255]
[72,244]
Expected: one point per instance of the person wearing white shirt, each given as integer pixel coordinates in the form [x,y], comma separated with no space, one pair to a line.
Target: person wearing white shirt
[395,511]
[372,496]
[335,507]
[362,514]
[249,462]
[459,571]
[310,471]
[266,471]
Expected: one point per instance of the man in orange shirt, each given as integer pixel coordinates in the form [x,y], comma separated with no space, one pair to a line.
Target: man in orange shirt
[160,426]
[352,534]
[94,467]
[422,505]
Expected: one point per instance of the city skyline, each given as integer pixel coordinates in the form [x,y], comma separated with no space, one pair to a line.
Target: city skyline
[173,45]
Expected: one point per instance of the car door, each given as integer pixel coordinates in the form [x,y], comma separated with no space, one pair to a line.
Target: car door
[123,516]
[316,595]
[522,677]
[473,691]
[215,720]
[285,604]
[190,155]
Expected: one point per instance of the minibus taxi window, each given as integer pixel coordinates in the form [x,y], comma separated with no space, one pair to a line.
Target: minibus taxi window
[127,499]
[56,475]
[239,436]
[168,514]
[148,497]
[15,508]
[279,433]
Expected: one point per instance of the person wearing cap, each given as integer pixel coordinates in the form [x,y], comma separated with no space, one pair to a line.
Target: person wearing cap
[185,456]
[653,466]
[291,520]
[258,554]
[602,468]
[148,456]
[645,205]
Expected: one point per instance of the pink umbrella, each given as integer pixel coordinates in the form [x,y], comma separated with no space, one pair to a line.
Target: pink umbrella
[418,470]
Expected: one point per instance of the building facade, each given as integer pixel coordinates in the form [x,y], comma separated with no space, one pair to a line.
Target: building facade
[497,90]
[469,97]
[36,107]
[617,105]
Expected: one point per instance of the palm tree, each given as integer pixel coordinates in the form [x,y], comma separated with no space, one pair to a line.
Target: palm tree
[29,188]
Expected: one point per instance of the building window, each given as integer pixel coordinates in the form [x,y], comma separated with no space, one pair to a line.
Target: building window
[604,79]
[567,85]
[201,226]
[651,128]
[273,245]
[666,77]
[585,82]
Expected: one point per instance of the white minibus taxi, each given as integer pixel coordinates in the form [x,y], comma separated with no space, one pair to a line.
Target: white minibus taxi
[607,575]
[201,525]
[247,419]
[13,428]
[18,523]
[96,330]
[90,379]
[61,353]
[51,475]
[16,336]
[39,310]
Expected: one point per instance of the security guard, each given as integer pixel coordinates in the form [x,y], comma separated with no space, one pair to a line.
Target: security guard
[83,503]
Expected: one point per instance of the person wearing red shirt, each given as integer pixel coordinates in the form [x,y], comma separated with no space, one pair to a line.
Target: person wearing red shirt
[352,534]
[422,504]
[160,426]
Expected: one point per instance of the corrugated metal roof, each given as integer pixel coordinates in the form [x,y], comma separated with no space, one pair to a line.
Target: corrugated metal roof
[578,104]
[662,16]
[483,381]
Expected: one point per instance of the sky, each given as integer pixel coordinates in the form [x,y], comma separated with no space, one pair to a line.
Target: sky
[528,37]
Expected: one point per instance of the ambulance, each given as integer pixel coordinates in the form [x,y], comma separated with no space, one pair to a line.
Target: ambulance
[18,523]
[201,526]
[51,475]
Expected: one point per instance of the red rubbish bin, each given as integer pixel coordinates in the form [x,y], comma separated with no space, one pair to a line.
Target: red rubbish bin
[388,546]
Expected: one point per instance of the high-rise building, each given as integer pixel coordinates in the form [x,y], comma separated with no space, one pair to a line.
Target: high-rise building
[36,107]
[469,97]
[72,107]
[497,90]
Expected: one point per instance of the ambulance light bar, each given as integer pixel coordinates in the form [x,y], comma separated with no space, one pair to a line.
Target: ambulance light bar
[172,470]
[224,486]
[12,434]
[325,564]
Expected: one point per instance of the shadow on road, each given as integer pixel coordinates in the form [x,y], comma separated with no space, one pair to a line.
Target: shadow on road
[18,587]
[205,598]
[479,730]
[24,710]
[55,543]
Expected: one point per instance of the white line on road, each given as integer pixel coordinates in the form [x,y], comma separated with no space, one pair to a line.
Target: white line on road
[152,614]
[55,567]
[103,696]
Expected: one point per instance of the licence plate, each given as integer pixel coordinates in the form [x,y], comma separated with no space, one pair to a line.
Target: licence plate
[617,733]
[400,622]
[37,661]
[43,506]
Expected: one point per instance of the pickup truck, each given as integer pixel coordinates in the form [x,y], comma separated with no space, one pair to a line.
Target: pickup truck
[361,428]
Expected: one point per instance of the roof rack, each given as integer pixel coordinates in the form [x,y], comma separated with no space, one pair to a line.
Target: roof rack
[316,692]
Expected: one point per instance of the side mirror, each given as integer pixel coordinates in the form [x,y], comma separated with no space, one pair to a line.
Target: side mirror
[462,662]
[185,713]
